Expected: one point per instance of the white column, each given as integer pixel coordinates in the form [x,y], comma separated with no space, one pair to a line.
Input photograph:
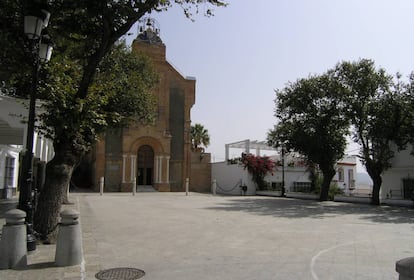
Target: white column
[50,152]
[101,185]
[247,143]
[124,157]
[214,187]
[168,170]
[133,171]
[42,147]
[3,156]
[44,150]
[160,169]
[227,151]
[38,146]
[156,169]
[46,155]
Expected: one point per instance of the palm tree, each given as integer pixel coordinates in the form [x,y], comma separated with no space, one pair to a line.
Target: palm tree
[199,137]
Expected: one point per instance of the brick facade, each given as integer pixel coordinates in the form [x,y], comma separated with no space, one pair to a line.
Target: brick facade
[158,155]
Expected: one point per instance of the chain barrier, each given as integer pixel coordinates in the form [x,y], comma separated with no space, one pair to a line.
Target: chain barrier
[238,184]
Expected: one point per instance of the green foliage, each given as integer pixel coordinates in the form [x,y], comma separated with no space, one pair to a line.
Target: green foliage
[199,137]
[379,110]
[333,189]
[119,94]
[408,105]
[310,113]
[316,113]
[15,60]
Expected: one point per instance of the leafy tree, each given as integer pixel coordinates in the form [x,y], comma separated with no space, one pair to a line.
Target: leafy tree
[199,137]
[378,109]
[83,97]
[311,122]
[120,93]
[408,101]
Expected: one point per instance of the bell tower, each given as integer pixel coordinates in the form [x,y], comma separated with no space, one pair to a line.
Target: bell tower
[148,40]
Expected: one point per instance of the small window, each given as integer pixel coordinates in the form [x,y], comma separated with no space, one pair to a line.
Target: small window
[340,174]
[9,173]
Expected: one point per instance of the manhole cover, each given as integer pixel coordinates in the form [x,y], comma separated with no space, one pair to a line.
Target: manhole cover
[121,273]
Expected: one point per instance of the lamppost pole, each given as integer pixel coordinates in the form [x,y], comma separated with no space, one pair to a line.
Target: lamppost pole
[26,197]
[283,171]
[34,23]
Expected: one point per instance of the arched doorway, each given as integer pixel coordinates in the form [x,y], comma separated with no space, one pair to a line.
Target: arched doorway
[145,166]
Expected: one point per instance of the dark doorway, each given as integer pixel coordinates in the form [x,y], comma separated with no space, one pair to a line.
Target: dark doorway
[408,186]
[145,165]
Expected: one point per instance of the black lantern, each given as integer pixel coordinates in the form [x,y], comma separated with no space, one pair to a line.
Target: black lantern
[45,48]
[34,22]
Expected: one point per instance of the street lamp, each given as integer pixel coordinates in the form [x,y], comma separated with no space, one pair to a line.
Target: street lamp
[283,171]
[40,49]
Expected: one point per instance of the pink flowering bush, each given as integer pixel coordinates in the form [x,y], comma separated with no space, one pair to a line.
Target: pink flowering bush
[258,167]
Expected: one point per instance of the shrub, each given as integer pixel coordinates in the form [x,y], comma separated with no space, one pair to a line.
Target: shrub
[258,167]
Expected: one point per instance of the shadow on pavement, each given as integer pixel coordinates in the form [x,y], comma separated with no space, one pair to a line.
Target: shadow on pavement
[297,208]
[42,265]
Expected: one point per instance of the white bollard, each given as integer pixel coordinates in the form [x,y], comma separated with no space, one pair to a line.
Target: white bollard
[214,187]
[405,267]
[69,241]
[187,184]
[134,186]
[101,185]
[13,246]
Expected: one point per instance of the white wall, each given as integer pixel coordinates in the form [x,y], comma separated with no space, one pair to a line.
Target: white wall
[292,174]
[8,151]
[229,178]
[13,135]
[392,179]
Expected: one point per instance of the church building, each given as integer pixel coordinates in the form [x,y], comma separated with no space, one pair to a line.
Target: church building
[156,156]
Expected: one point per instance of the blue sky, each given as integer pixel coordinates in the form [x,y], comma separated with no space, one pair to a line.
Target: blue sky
[250,48]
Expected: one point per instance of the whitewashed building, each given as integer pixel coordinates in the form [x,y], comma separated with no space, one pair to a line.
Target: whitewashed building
[229,176]
[398,181]
[13,132]
[345,174]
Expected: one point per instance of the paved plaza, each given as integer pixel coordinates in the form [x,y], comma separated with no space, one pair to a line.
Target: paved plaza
[200,236]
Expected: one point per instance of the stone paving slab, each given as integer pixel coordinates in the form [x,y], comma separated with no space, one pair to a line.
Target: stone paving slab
[173,236]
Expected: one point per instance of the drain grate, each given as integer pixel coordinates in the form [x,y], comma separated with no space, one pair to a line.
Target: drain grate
[121,273]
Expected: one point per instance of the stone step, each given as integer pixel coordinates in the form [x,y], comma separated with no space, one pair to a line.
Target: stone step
[145,189]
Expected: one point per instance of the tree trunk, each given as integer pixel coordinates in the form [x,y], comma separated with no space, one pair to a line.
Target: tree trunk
[58,174]
[375,198]
[374,171]
[328,173]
